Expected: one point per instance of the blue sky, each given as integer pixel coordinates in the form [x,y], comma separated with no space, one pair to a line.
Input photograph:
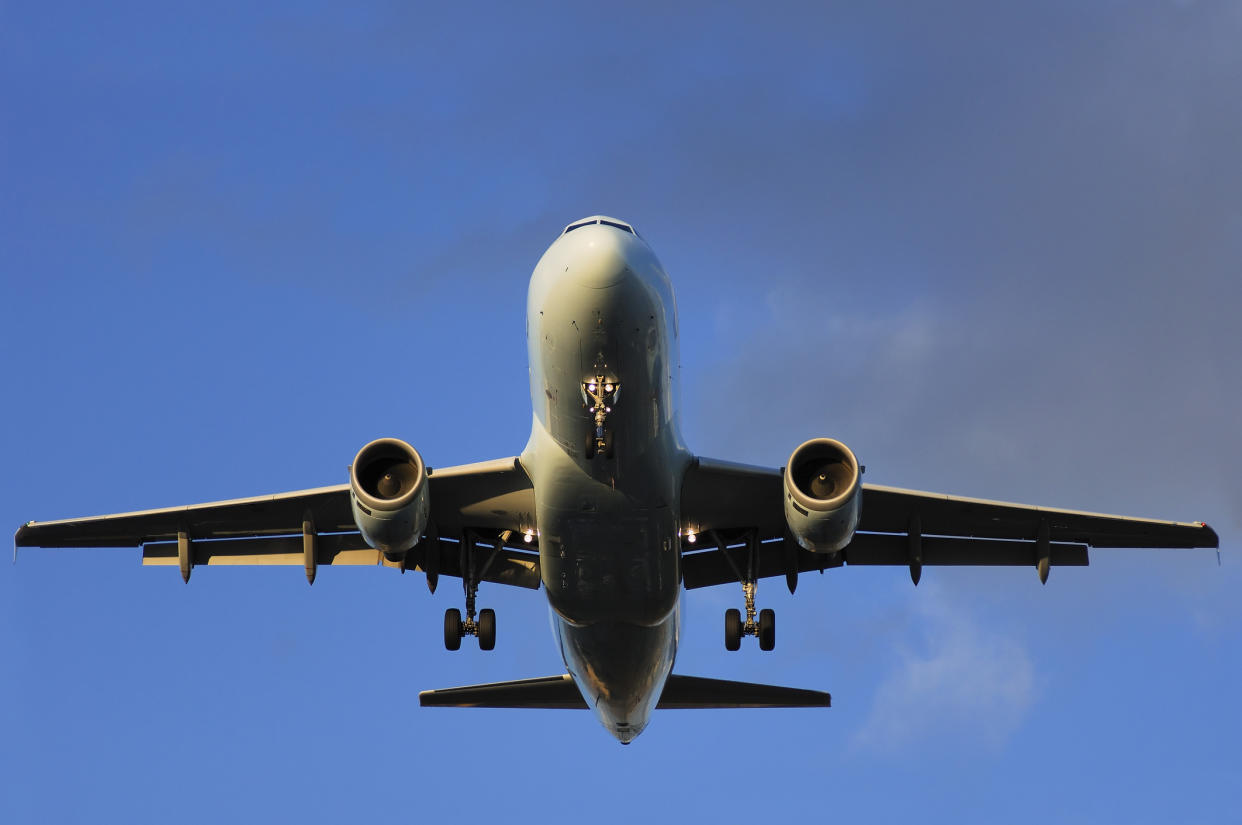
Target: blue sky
[995,250]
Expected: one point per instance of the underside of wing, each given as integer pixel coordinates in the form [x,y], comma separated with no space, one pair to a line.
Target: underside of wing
[736,513]
[890,510]
[476,512]
[274,515]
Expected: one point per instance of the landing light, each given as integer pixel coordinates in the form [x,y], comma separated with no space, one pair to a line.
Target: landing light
[529,536]
[608,388]
[591,387]
[691,537]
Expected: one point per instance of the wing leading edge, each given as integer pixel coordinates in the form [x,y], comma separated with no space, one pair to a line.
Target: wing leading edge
[733,504]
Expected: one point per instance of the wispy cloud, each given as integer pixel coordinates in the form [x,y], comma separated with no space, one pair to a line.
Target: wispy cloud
[956,679]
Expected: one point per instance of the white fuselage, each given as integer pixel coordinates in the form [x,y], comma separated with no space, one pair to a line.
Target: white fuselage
[600,305]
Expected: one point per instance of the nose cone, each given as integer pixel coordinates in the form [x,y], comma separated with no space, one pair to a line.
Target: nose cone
[625,716]
[601,256]
[625,733]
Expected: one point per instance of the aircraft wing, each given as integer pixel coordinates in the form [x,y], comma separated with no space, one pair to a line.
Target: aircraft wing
[490,502]
[730,505]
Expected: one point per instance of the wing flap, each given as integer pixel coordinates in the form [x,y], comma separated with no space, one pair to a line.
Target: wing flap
[880,548]
[332,549]
[706,568]
[509,566]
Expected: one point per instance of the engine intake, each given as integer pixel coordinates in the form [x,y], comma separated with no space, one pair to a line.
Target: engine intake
[823,495]
[388,495]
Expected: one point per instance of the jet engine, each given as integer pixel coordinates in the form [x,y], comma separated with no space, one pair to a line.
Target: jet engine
[823,495]
[388,495]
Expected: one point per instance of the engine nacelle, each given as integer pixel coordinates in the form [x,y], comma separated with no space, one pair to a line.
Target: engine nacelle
[823,495]
[388,495]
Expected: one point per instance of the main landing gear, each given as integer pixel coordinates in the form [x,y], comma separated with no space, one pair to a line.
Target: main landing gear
[484,626]
[600,393]
[764,624]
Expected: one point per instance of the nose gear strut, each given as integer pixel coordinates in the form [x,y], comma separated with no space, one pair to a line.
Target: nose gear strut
[601,393]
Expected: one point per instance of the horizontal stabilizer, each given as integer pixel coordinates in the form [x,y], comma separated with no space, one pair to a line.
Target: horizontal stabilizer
[544,692]
[680,692]
[698,692]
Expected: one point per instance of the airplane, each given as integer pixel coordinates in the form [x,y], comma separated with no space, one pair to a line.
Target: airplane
[609,512]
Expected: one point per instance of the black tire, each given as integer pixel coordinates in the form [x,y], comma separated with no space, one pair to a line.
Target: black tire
[487,629]
[452,628]
[607,443]
[589,452]
[767,629]
[733,629]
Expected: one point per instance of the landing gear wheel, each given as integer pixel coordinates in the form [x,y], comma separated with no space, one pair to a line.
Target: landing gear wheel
[452,628]
[590,446]
[767,629]
[607,443]
[733,629]
[487,629]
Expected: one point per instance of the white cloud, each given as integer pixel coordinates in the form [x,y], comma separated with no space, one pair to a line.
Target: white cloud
[956,679]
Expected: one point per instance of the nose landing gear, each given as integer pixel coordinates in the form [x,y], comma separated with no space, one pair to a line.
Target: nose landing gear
[600,393]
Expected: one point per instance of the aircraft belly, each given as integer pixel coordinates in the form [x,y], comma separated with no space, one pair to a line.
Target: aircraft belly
[610,568]
[608,524]
[608,517]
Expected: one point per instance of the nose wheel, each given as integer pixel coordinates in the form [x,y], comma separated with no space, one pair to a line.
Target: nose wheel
[762,623]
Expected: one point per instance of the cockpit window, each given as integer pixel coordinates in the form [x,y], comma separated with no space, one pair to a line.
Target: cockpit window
[620,226]
[594,221]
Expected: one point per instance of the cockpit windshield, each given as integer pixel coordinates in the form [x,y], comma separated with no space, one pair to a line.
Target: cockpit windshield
[599,219]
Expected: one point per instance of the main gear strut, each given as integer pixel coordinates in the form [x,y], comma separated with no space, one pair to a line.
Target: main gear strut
[484,627]
[764,625]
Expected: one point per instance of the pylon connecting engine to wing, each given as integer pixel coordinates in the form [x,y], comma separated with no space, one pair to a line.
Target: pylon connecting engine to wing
[388,495]
[823,494]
